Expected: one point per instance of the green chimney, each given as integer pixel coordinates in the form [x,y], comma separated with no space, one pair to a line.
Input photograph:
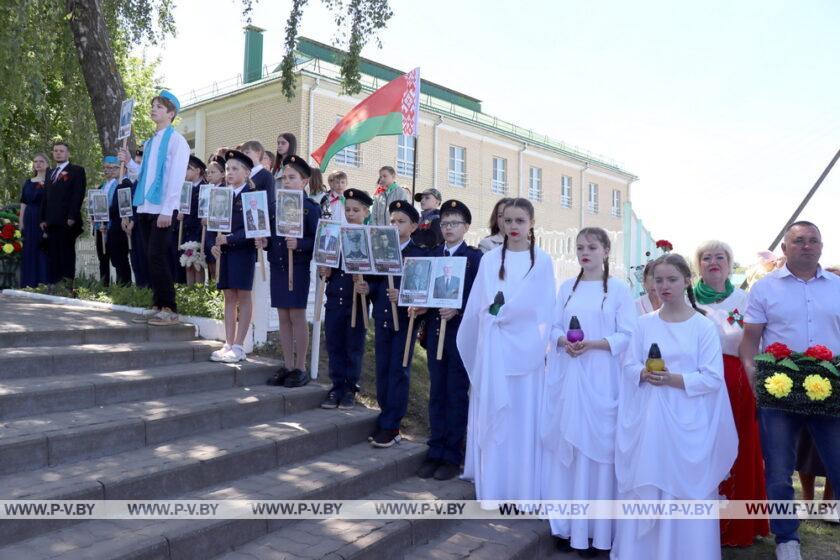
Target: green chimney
[252,70]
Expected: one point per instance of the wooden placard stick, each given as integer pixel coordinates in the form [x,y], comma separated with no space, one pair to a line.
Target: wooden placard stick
[364,310]
[441,336]
[122,163]
[355,299]
[319,301]
[394,305]
[262,262]
[408,339]
[180,232]
[291,271]
[203,235]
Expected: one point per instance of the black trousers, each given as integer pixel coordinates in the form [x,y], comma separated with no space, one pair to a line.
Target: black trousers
[157,241]
[61,253]
[117,255]
[102,256]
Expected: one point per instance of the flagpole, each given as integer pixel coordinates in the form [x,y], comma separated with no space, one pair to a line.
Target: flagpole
[414,169]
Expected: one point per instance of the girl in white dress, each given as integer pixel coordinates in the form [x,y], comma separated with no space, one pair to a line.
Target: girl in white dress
[580,399]
[675,438]
[503,340]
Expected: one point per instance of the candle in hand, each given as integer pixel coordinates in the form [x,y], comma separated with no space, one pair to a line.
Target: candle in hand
[575,333]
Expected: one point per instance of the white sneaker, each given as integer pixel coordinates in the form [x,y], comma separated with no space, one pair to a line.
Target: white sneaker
[236,354]
[788,551]
[218,354]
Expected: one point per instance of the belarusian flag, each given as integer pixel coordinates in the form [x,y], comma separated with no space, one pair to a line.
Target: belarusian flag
[392,109]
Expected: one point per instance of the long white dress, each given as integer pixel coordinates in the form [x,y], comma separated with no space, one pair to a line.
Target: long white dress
[673,443]
[505,358]
[580,403]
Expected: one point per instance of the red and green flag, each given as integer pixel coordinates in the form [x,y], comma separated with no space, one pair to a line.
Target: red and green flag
[392,109]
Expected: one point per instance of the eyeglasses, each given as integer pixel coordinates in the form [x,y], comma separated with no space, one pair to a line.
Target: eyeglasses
[447,225]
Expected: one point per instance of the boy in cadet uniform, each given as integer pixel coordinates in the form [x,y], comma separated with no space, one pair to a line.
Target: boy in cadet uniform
[449,383]
[428,234]
[160,177]
[392,379]
[345,345]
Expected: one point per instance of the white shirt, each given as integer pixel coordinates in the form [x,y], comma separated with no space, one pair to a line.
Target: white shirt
[336,208]
[728,316]
[452,249]
[797,313]
[238,189]
[57,171]
[174,171]
[255,169]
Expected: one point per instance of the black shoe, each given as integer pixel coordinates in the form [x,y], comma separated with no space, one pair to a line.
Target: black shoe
[590,552]
[386,438]
[278,378]
[563,545]
[297,378]
[375,433]
[348,401]
[447,471]
[428,468]
[331,401]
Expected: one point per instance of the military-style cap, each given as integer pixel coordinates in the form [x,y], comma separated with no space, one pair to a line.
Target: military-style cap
[359,196]
[196,162]
[240,157]
[298,163]
[406,208]
[456,207]
[434,192]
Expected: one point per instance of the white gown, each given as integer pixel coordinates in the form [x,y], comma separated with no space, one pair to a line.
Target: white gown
[580,403]
[673,443]
[505,358]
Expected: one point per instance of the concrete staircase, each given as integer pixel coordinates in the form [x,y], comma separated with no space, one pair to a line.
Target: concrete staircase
[95,407]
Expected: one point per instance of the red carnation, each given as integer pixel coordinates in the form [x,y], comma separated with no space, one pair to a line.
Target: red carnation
[779,350]
[17,246]
[665,245]
[819,352]
[8,231]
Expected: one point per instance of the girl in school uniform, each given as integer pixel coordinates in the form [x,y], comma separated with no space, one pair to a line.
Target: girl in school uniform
[675,438]
[291,304]
[286,147]
[503,340]
[215,176]
[192,224]
[580,398]
[345,344]
[235,255]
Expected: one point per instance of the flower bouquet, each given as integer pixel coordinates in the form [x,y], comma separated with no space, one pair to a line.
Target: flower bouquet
[805,383]
[664,245]
[11,243]
[192,256]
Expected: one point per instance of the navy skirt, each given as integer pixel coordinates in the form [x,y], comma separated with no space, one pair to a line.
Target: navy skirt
[236,271]
[281,297]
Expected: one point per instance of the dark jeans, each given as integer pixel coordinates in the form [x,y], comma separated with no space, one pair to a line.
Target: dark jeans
[392,379]
[779,435]
[345,347]
[157,241]
[61,252]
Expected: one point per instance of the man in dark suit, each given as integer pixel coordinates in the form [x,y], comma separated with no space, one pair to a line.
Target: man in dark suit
[61,213]
[446,285]
[328,243]
[259,223]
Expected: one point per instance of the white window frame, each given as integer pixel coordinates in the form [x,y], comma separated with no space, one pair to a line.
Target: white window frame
[566,191]
[499,182]
[592,198]
[535,184]
[350,156]
[405,155]
[616,203]
[457,166]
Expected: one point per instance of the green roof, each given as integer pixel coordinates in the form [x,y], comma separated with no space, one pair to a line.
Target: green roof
[314,49]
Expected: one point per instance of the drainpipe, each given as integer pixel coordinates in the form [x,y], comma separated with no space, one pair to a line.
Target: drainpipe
[435,152]
[521,170]
[582,199]
[312,113]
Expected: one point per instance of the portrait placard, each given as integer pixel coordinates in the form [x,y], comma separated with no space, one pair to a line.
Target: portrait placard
[355,250]
[185,206]
[255,213]
[328,243]
[126,110]
[220,215]
[289,214]
[99,205]
[203,200]
[414,287]
[433,282]
[124,202]
[385,250]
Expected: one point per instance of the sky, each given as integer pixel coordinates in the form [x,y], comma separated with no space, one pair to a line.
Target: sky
[728,112]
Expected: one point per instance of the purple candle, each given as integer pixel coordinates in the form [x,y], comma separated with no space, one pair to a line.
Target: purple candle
[575,333]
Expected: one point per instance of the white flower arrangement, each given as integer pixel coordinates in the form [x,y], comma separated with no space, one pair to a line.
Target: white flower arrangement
[192,255]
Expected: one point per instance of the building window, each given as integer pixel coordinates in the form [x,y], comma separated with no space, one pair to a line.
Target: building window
[592,201]
[349,155]
[499,176]
[616,203]
[566,192]
[405,155]
[457,166]
[535,184]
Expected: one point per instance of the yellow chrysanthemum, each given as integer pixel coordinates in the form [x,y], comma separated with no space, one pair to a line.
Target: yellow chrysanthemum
[8,248]
[817,388]
[17,234]
[778,385]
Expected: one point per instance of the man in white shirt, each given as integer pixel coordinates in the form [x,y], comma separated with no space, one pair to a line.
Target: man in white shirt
[160,177]
[797,305]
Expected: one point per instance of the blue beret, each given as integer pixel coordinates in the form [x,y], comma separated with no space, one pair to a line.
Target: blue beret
[110,160]
[169,96]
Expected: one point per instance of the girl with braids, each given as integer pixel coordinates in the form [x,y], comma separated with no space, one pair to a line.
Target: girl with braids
[580,399]
[675,438]
[502,341]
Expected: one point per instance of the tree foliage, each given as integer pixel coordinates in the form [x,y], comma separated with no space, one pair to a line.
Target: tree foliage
[356,21]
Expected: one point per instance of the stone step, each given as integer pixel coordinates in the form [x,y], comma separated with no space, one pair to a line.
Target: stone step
[48,361]
[96,335]
[487,540]
[63,437]
[185,465]
[344,474]
[359,539]
[44,395]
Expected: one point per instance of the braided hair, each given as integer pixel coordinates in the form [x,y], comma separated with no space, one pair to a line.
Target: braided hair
[679,262]
[526,205]
[604,239]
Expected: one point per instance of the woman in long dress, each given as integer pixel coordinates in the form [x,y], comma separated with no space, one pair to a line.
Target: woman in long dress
[725,305]
[580,399]
[502,341]
[33,268]
[675,438]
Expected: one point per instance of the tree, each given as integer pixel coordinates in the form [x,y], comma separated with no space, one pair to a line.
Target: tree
[357,22]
